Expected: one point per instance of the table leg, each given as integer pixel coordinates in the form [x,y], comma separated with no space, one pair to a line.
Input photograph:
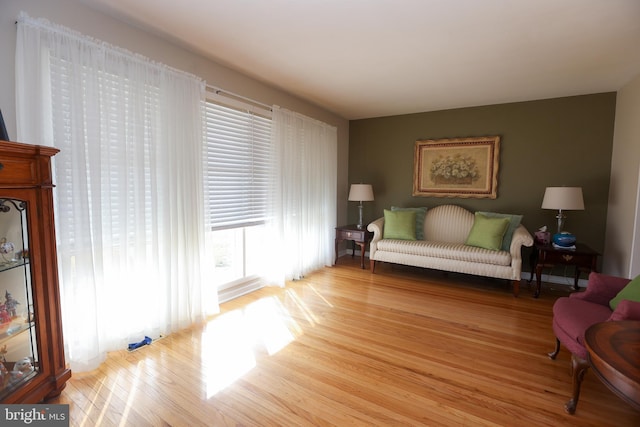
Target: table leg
[536,293]
[361,244]
[533,261]
[337,242]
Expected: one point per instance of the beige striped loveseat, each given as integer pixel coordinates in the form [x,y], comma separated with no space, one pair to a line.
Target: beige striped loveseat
[446,228]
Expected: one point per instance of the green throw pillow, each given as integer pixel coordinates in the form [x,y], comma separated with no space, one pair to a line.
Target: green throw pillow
[630,292]
[487,232]
[514,222]
[420,214]
[399,225]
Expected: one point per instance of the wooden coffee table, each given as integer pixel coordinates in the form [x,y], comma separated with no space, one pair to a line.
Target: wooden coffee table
[614,354]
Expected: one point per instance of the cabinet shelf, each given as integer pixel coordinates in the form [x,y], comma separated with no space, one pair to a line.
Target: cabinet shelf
[15,328]
[13,264]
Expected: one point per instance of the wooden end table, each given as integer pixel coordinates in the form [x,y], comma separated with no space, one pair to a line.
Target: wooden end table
[614,354]
[582,258]
[359,236]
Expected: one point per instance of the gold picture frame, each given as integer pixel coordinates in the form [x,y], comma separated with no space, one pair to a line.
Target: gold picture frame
[457,167]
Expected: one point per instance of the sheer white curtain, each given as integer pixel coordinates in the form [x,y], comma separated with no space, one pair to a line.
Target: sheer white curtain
[129,199]
[304,199]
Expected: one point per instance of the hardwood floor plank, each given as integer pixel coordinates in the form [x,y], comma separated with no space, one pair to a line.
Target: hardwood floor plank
[362,384]
[404,346]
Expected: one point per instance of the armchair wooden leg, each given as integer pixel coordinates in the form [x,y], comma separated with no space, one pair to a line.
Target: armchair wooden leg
[555,352]
[516,288]
[578,369]
[372,262]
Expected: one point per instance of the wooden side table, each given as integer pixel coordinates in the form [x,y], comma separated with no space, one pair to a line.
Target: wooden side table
[359,236]
[614,354]
[582,258]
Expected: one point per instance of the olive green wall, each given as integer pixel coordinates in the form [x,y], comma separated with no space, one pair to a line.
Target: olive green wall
[555,142]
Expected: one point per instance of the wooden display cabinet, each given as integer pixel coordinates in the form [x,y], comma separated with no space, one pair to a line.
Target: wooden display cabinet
[31,345]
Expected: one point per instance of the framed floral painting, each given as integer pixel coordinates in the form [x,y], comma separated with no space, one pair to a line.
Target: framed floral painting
[457,167]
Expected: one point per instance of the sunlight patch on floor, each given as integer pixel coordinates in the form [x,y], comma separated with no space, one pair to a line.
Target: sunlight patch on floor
[94,399]
[272,323]
[320,296]
[231,341]
[132,394]
[302,307]
[98,404]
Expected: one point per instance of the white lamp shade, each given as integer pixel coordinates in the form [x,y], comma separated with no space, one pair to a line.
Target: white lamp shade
[361,193]
[563,198]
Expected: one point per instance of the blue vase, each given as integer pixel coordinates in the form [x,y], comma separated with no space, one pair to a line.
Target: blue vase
[564,239]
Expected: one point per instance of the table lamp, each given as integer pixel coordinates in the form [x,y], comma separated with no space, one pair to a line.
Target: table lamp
[360,193]
[563,198]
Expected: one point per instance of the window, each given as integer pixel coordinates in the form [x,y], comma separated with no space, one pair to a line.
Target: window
[236,185]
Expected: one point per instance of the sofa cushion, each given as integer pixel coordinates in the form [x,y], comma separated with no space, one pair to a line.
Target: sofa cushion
[420,214]
[487,232]
[626,310]
[399,225]
[448,223]
[601,289]
[453,251]
[514,222]
[630,292]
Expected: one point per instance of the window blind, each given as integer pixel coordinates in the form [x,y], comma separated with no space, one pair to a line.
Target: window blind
[237,167]
[118,172]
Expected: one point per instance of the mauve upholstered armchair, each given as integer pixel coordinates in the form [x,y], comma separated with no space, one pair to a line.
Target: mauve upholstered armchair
[574,314]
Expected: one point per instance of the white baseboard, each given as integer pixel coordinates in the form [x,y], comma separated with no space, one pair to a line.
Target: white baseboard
[558,280]
[238,289]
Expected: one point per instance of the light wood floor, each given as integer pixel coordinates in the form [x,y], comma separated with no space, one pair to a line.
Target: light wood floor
[403,347]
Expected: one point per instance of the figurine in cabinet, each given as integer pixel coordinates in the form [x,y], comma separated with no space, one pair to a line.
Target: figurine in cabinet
[24,365]
[5,317]
[10,304]
[5,249]
[21,369]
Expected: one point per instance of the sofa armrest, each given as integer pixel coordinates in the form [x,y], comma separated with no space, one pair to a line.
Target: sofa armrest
[376,227]
[601,288]
[521,237]
[626,310]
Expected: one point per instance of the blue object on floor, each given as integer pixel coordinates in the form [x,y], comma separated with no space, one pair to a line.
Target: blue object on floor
[137,345]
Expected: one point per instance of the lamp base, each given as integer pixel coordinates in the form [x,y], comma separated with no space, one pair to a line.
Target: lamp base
[560,217]
[360,224]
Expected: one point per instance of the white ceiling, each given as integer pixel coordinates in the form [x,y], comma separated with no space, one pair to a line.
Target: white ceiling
[371,58]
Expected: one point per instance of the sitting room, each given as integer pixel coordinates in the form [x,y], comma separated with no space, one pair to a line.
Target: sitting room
[320,213]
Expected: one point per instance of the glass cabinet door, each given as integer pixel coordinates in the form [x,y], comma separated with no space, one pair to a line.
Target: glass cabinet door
[18,346]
